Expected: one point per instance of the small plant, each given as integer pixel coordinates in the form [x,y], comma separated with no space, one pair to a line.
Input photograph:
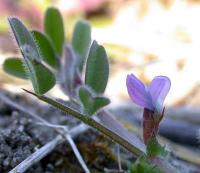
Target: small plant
[81,68]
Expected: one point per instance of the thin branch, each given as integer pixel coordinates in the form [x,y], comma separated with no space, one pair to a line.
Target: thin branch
[62,127]
[46,149]
[76,152]
[62,132]
[119,158]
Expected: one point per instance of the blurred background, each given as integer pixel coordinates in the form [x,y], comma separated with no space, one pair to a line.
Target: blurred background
[144,37]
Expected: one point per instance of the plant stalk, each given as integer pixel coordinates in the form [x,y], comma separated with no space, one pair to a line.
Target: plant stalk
[91,122]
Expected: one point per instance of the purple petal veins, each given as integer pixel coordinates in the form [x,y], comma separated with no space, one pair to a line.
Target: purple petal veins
[137,92]
[151,96]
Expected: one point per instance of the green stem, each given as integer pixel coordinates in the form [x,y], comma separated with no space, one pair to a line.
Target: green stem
[91,122]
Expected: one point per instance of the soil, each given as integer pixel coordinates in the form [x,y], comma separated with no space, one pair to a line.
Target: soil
[20,136]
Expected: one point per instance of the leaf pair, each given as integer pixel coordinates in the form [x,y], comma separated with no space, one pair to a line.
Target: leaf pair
[41,77]
[51,43]
[73,58]
[97,65]
[37,47]
[91,103]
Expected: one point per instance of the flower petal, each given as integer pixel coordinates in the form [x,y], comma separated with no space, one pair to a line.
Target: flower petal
[158,89]
[137,92]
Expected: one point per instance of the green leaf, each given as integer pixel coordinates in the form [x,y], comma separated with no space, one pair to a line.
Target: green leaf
[81,40]
[46,49]
[14,66]
[54,28]
[24,38]
[90,103]
[97,68]
[155,149]
[143,166]
[41,77]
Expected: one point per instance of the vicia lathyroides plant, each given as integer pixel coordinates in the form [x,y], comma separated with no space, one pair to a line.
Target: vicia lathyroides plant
[47,58]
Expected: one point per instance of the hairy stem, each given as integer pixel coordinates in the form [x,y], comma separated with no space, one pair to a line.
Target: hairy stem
[91,122]
[163,164]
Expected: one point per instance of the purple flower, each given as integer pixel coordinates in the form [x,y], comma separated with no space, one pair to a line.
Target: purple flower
[149,96]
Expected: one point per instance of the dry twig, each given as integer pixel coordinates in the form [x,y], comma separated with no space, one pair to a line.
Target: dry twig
[50,147]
